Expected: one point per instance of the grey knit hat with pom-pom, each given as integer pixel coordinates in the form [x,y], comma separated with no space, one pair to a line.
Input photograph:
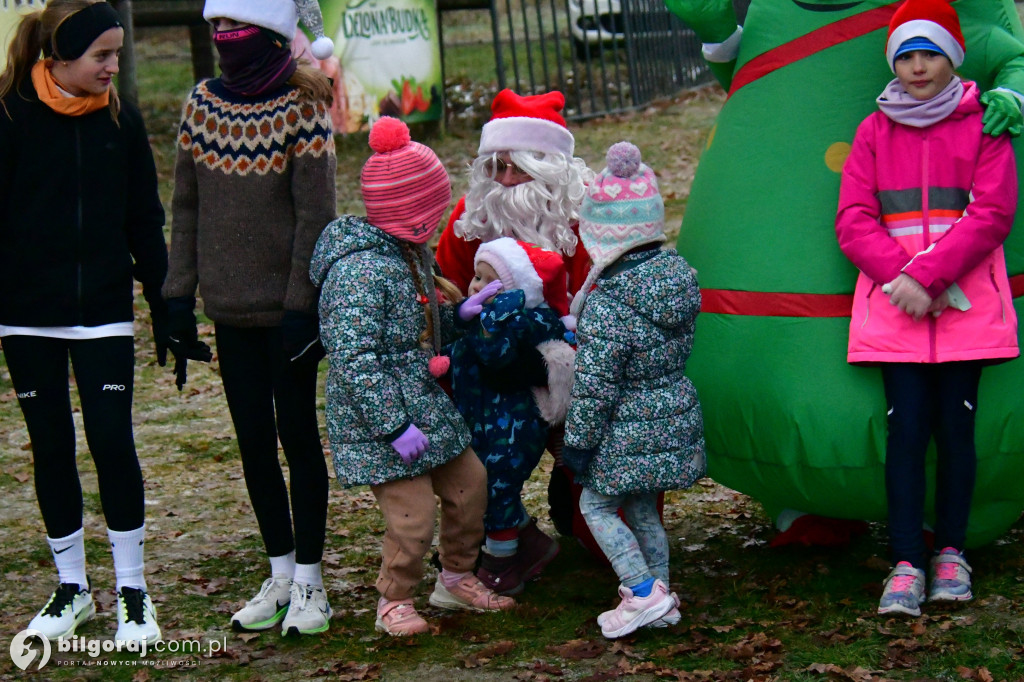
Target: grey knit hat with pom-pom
[621,211]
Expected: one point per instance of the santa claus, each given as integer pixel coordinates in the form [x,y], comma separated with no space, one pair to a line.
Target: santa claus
[525,183]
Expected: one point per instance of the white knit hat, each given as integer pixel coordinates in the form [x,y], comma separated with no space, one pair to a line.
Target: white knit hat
[279,16]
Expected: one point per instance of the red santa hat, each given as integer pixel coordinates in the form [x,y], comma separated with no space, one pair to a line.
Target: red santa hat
[538,272]
[532,123]
[934,20]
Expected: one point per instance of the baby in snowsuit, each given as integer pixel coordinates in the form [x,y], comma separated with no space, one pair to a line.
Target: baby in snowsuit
[511,377]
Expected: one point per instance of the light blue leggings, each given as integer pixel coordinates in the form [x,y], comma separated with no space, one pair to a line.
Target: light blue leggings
[637,551]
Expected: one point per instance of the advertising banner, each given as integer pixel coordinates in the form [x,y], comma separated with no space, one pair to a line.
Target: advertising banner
[390,54]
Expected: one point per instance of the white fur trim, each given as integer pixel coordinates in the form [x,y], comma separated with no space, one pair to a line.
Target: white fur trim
[924,29]
[525,134]
[280,17]
[518,265]
[322,48]
[553,399]
[570,322]
[725,51]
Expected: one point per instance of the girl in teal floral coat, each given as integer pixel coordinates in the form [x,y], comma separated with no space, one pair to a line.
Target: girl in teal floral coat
[634,426]
[391,426]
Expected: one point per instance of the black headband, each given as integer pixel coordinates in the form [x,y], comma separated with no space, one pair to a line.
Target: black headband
[76,33]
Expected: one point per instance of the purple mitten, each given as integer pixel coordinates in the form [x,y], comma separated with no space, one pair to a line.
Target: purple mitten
[411,444]
[473,304]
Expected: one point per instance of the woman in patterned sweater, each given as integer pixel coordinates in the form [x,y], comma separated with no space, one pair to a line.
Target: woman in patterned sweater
[253,189]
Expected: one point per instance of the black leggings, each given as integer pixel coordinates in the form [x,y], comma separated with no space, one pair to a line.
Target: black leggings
[259,387]
[104,372]
[927,400]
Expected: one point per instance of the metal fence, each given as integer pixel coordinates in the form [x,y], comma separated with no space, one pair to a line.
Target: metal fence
[606,56]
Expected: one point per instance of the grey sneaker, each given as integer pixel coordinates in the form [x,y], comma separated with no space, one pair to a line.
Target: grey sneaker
[308,613]
[951,577]
[904,591]
[267,608]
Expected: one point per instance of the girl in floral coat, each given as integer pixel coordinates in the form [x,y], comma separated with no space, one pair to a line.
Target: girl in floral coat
[391,426]
[634,427]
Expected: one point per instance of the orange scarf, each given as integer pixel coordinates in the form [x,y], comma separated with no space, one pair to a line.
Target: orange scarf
[49,94]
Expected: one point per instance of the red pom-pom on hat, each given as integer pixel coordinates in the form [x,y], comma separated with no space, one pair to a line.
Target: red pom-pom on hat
[388,134]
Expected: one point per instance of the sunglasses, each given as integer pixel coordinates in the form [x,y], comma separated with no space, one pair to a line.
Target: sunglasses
[496,167]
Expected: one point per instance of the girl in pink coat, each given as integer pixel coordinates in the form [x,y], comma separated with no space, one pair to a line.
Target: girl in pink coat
[925,204]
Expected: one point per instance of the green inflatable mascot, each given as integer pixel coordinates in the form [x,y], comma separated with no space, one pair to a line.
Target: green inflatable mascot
[787,420]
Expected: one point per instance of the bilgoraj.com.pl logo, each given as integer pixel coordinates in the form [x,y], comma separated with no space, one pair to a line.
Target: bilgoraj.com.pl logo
[30,645]
[23,650]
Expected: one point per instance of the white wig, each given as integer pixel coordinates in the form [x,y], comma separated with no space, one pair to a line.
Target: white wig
[539,212]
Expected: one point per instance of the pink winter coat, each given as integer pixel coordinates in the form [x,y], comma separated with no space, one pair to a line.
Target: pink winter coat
[947,186]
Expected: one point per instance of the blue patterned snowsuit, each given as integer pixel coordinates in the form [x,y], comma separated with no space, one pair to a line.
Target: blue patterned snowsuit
[506,427]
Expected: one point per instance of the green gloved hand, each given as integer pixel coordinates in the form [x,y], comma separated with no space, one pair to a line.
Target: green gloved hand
[712,20]
[1002,114]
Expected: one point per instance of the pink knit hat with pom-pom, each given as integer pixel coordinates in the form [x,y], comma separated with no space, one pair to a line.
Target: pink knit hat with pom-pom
[405,187]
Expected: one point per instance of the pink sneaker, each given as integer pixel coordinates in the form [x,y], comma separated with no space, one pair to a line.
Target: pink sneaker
[671,618]
[469,593]
[399,618]
[636,612]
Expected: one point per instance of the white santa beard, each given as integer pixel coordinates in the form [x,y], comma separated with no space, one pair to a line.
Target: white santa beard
[524,212]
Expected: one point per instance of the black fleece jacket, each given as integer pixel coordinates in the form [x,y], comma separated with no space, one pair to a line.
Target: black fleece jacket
[79,214]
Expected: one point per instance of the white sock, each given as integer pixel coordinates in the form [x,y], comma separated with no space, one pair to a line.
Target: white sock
[69,556]
[283,566]
[128,547]
[309,574]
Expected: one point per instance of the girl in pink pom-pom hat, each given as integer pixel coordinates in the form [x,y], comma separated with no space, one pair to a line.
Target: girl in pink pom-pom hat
[390,423]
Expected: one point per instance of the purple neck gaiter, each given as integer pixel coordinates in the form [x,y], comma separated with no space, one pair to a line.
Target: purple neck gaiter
[250,62]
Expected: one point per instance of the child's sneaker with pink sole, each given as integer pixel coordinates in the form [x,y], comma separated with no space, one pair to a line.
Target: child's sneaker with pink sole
[951,577]
[634,612]
[469,593]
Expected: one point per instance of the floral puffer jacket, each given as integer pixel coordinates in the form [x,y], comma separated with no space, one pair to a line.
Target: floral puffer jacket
[631,402]
[370,324]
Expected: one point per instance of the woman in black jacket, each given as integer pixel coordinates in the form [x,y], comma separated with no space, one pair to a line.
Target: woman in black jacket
[79,217]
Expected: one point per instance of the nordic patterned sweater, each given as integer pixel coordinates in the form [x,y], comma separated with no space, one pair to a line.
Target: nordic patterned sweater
[253,190]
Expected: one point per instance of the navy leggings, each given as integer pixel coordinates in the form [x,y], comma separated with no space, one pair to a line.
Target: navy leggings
[928,400]
[269,399]
[104,374]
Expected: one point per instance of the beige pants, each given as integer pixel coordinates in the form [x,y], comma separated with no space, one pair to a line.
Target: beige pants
[409,507]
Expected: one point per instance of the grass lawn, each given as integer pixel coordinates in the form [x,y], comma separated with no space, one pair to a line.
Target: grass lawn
[750,612]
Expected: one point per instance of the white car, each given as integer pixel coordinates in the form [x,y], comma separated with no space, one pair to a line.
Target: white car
[594,21]
[601,22]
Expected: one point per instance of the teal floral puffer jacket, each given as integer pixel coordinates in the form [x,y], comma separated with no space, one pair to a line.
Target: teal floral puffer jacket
[370,324]
[631,403]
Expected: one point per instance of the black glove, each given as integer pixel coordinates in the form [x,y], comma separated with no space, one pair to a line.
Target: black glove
[300,338]
[183,337]
[576,459]
[158,315]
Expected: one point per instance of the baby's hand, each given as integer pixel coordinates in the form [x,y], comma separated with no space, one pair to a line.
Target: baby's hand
[472,306]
